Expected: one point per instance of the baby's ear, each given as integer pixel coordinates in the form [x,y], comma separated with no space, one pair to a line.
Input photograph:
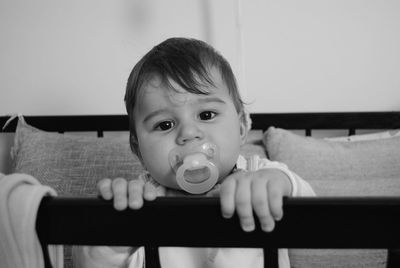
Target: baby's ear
[135,147]
[244,125]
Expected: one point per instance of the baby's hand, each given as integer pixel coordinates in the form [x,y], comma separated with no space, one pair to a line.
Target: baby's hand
[261,191]
[129,193]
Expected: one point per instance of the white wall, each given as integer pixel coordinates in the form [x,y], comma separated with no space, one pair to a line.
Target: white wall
[73,57]
[323,55]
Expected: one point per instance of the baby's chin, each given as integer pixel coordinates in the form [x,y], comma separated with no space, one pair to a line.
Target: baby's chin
[226,173]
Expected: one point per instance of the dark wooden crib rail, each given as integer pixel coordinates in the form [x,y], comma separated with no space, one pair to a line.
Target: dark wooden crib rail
[309,222]
[314,222]
[350,121]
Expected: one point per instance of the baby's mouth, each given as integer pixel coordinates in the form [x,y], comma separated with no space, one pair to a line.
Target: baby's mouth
[197,175]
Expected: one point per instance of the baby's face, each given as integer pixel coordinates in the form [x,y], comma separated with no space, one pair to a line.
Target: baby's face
[166,119]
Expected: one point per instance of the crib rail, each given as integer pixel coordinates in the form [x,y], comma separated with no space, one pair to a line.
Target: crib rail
[340,120]
[316,222]
[307,121]
[350,222]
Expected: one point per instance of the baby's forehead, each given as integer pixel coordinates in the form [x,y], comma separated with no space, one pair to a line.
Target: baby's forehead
[200,83]
[154,81]
[157,91]
[175,94]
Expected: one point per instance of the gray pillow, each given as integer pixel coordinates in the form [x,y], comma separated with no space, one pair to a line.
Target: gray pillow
[71,164]
[361,167]
[334,168]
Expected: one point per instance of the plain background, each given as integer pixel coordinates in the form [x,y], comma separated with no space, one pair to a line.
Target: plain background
[73,57]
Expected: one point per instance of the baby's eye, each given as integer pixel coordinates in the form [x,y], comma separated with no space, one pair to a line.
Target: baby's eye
[207,115]
[165,125]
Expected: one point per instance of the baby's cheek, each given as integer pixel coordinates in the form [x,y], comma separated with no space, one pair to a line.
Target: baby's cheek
[167,180]
[227,165]
[161,171]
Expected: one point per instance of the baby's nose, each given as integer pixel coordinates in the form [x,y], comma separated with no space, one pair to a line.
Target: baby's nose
[189,132]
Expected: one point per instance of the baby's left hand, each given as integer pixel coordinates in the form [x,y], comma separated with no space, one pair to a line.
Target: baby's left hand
[260,191]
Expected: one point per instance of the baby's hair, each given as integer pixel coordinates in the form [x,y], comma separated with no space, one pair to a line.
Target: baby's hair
[187,62]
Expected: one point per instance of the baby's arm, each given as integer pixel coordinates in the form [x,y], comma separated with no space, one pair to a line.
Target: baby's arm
[103,256]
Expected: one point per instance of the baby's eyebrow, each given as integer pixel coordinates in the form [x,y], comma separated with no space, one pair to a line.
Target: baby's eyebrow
[210,99]
[154,113]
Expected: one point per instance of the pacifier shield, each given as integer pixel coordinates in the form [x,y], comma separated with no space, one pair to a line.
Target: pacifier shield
[195,171]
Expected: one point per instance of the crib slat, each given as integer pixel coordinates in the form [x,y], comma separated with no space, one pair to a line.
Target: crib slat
[192,221]
[339,120]
[319,120]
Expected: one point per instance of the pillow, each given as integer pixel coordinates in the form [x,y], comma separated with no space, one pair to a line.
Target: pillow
[253,145]
[369,136]
[358,168]
[334,168]
[71,164]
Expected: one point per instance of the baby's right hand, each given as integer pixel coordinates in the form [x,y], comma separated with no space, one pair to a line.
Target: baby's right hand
[129,193]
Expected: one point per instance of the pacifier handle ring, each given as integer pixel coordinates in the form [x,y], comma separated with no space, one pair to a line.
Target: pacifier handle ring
[197,188]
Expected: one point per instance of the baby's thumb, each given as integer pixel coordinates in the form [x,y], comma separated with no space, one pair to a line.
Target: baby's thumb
[153,189]
[104,189]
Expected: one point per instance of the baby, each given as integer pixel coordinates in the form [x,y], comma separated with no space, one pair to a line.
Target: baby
[187,124]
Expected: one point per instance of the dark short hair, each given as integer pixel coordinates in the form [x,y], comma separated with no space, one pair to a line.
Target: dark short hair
[186,62]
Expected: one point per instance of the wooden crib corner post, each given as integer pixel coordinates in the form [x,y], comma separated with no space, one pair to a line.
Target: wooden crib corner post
[393,259]
[271,257]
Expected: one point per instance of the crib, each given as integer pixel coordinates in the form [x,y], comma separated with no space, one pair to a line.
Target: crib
[326,222]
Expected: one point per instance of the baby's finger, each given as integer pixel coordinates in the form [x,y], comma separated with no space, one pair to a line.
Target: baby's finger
[161,191]
[120,190]
[135,193]
[275,197]
[243,205]
[104,189]
[150,191]
[227,197]
[259,201]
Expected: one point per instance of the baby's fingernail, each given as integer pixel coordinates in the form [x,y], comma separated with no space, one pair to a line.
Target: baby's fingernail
[267,227]
[248,227]
[226,215]
[106,196]
[119,206]
[150,196]
[134,204]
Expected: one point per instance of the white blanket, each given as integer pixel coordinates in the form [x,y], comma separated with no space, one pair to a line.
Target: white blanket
[20,196]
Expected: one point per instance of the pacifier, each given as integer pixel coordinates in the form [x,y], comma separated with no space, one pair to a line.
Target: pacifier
[195,171]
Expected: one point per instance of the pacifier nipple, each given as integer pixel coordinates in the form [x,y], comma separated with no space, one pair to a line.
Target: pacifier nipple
[195,173]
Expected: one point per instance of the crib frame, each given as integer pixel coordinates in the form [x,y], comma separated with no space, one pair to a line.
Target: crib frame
[326,222]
